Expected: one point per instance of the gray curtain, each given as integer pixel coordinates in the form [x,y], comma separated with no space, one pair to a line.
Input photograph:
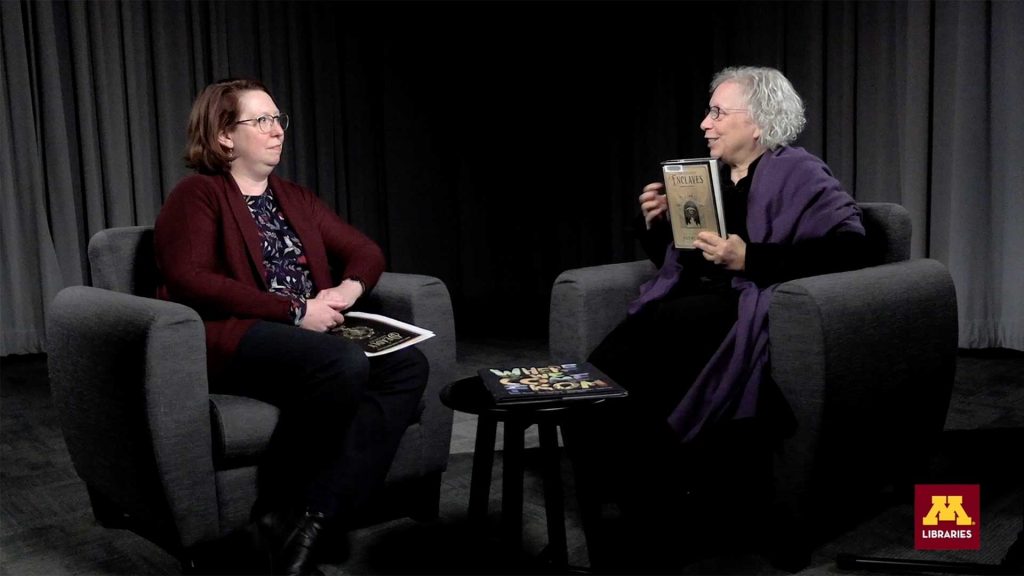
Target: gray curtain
[96,96]
[977,177]
[400,127]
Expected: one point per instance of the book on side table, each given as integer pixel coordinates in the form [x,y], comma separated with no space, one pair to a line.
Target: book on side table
[559,382]
[378,334]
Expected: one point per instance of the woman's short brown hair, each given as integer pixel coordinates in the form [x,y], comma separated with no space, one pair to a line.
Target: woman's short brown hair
[215,109]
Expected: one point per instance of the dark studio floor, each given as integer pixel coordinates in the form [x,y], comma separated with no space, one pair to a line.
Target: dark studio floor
[46,525]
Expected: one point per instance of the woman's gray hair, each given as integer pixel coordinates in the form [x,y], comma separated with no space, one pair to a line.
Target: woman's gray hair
[772,102]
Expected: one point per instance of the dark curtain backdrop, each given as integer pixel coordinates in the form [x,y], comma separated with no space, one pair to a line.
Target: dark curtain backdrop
[496,144]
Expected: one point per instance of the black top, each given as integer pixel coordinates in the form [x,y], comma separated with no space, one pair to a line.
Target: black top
[766,263]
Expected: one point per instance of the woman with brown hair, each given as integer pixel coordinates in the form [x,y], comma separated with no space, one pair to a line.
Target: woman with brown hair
[271,270]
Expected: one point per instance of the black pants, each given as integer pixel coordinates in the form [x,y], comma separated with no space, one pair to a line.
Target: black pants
[657,354]
[669,492]
[342,415]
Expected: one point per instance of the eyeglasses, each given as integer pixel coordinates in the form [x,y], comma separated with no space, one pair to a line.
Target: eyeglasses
[715,112]
[266,122]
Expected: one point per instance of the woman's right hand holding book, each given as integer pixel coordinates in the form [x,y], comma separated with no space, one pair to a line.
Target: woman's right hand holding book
[653,203]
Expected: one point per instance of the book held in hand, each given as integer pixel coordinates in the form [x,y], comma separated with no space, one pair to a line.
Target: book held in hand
[694,195]
[522,384]
[378,334]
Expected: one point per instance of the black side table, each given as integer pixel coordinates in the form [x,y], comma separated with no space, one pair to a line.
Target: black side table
[469,395]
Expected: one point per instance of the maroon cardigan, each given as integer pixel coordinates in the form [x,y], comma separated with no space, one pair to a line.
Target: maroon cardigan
[209,256]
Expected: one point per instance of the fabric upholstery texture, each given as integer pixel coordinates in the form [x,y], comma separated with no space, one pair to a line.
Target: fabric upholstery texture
[587,303]
[865,358]
[241,428]
[155,448]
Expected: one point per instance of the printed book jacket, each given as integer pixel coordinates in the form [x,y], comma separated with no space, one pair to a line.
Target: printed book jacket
[694,196]
[380,334]
[519,384]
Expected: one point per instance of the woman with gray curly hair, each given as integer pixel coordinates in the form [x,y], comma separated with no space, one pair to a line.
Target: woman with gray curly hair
[772,102]
[703,416]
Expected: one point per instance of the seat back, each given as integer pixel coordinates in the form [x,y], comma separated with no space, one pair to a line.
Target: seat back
[122,260]
[887,227]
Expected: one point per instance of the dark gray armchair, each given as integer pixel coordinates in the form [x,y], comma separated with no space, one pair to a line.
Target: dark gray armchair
[160,454]
[865,358]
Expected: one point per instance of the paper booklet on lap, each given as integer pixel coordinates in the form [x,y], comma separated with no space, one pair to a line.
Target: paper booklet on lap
[378,334]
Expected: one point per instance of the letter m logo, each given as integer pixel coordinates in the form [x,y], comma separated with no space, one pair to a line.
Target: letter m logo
[940,507]
[947,509]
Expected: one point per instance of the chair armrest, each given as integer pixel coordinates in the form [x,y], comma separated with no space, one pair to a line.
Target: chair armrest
[587,303]
[425,302]
[866,359]
[128,378]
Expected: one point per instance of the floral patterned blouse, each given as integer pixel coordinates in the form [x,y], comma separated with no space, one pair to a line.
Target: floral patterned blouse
[283,256]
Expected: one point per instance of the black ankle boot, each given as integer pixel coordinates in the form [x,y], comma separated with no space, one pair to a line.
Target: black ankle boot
[292,540]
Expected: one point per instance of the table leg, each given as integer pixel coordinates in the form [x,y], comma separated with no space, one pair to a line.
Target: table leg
[586,494]
[554,501]
[483,462]
[512,485]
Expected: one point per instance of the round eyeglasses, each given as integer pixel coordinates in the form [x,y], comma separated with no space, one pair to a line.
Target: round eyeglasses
[715,112]
[266,122]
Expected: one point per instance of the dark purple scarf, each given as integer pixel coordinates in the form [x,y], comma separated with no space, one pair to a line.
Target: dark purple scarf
[793,197]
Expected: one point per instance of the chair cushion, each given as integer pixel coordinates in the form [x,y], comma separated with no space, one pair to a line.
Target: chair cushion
[241,429]
[122,260]
[888,228]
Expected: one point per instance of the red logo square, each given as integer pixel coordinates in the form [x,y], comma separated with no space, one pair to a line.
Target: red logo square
[947,517]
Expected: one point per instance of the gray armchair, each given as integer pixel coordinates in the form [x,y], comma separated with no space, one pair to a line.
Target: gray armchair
[158,452]
[865,358]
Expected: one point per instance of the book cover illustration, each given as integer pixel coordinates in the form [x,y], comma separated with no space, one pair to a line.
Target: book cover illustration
[378,334]
[551,382]
[694,196]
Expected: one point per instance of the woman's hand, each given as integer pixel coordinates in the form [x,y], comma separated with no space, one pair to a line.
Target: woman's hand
[653,204]
[730,253]
[321,315]
[342,296]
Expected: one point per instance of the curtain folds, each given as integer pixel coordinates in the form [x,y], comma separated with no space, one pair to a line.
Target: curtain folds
[96,99]
[496,157]
[977,174]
